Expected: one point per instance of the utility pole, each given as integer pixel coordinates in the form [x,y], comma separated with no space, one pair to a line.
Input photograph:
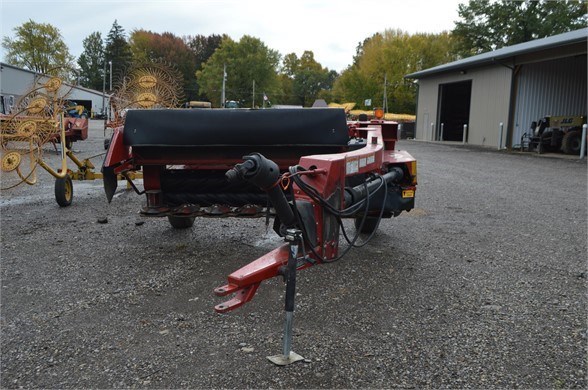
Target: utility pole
[253,100]
[104,95]
[223,90]
[110,74]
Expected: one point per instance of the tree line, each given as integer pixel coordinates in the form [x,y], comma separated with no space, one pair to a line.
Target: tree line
[256,74]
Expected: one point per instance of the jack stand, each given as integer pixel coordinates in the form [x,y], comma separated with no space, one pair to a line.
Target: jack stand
[294,237]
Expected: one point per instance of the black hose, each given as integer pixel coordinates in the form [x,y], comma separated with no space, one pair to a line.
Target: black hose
[355,198]
[265,174]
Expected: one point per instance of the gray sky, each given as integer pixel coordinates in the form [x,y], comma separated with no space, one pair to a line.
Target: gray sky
[329,28]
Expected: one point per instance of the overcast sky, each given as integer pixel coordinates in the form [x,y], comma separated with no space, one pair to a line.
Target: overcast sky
[329,28]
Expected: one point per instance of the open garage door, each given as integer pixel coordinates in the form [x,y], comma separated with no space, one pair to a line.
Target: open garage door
[454,110]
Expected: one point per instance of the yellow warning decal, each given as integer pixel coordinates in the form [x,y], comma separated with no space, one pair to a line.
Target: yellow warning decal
[408,193]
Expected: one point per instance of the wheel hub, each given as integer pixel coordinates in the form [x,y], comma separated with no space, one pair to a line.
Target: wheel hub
[10,161]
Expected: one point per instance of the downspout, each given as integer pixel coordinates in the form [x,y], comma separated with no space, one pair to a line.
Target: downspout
[416,108]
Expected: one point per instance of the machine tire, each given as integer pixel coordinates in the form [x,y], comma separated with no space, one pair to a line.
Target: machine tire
[106,143]
[370,224]
[572,142]
[545,142]
[64,191]
[180,222]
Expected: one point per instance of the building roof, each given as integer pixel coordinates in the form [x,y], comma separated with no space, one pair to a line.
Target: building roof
[4,64]
[564,39]
[35,74]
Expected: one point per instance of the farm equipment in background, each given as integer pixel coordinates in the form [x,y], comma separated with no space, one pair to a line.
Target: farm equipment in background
[37,119]
[75,110]
[144,86]
[76,129]
[554,134]
[198,104]
[45,115]
[308,168]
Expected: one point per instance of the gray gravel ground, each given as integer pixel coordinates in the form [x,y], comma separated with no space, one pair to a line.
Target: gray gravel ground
[483,285]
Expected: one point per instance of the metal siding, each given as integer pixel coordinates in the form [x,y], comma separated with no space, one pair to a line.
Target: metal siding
[15,82]
[427,108]
[488,105]
[556,87]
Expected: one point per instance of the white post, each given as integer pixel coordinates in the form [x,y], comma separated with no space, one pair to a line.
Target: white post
[110,74]
[583,142]
[441,135]
[465,133]
[432,131]
[399,131]
[501,128]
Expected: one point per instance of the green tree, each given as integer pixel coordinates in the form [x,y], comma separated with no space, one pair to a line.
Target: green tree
[390,56]
[355,86]
[327,92]
[361,45]
[118,51]
[290,65]
[203,46]
[91,62]
[172,50]
[38,47]
[303,80]
[286,79]
[246,61]
[486,25]
[308,78]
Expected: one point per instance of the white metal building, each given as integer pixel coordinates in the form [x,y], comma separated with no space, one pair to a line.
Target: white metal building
[14,82]
[503,91]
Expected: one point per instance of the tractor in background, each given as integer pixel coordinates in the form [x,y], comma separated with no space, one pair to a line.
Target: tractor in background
[554,134]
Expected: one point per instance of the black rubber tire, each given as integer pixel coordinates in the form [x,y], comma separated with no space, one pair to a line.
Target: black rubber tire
[370,224]
[64,191]
[106,143]
[572,142]
[180,222]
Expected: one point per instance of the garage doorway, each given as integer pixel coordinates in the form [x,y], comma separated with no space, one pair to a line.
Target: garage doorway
[454,110]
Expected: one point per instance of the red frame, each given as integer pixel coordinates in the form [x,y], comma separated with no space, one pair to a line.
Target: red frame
[335,167]
[331,170]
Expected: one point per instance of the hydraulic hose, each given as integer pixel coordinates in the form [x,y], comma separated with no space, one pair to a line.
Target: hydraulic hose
[354,195]
[264,174]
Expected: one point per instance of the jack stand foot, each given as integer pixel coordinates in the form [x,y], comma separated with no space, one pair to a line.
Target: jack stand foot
[283,360]
[288,357]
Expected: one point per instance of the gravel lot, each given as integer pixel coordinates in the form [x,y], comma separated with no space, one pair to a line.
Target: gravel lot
[483,285]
